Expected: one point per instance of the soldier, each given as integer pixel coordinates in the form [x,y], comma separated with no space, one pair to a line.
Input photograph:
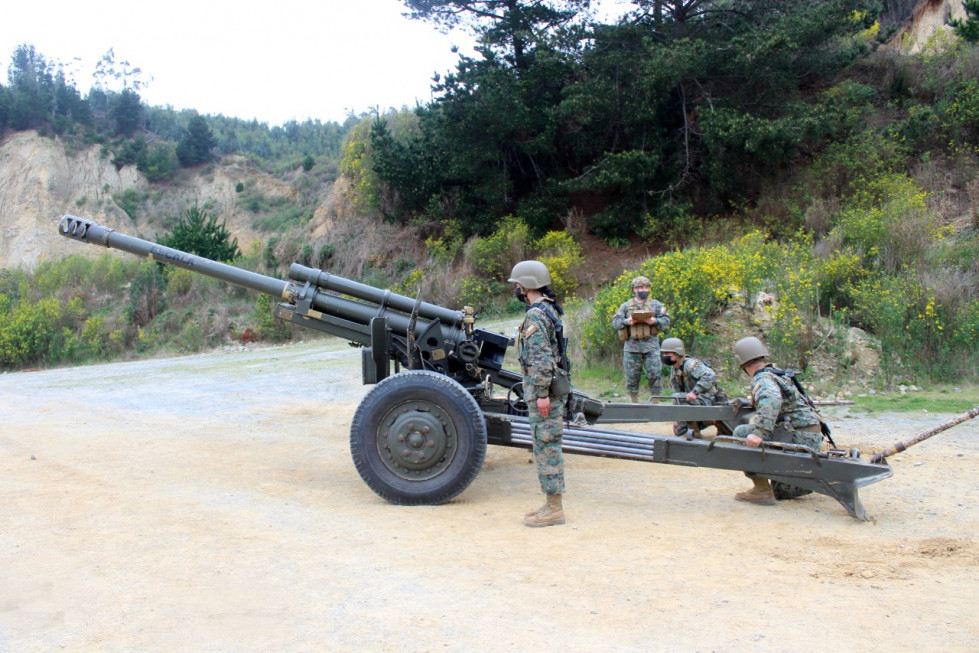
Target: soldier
[693,381]
[539,351]
[640,351]
[782,413]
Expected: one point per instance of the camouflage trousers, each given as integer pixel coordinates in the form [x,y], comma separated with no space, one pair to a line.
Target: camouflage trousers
[548,435]
[636,364]
[811,439]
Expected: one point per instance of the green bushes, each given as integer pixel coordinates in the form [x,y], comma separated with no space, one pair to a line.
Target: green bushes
[493,256]
[886,264]
[80,309]
[692,284]
[35,332]
[199,233]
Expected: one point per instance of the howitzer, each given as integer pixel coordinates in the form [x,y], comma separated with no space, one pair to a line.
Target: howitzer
[420,434]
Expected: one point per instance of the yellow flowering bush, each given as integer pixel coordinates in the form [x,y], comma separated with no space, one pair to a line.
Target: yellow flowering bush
[756,259]
[561,253]
[795,310]
[692,284]
[888,221]
[909,321]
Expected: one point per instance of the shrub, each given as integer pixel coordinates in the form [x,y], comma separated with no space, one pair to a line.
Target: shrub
[36,332]
[268,327]
[795,310]
[886,219]
[562,255]
[486,296]
[198,233]
[494,255]
[691,284]
[147,295]
[158,162]
[755,258]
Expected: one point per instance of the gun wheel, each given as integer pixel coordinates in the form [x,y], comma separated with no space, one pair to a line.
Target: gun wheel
[418,438]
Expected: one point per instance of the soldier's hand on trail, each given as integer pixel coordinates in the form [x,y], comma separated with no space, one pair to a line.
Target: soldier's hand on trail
[692,396]
[544,406]
[753,440]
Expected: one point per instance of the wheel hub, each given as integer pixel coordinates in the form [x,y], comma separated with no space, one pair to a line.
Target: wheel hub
[417,440]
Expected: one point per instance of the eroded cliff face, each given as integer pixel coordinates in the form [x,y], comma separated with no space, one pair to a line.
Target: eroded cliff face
[40,182]
[918,22]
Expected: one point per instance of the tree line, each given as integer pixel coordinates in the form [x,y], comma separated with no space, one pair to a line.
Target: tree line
[681,106]
[41,94]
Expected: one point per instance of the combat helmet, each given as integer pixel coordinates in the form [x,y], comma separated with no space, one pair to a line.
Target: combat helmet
[641,281]
[673,346]
[748,349]
[532,275]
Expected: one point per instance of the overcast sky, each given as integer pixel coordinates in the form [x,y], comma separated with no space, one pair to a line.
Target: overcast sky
[277,61]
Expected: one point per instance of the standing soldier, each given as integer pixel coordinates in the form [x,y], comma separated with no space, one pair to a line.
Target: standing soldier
[782,413]
[639,322]
[694,383]
[539,351]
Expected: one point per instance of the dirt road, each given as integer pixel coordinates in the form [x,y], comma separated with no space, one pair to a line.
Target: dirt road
[209,503]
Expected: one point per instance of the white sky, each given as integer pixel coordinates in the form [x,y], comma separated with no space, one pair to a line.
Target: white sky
[290,59]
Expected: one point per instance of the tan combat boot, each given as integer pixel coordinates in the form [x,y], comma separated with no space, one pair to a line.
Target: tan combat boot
[634,398]
[760,494]
[533,512]
[551,514]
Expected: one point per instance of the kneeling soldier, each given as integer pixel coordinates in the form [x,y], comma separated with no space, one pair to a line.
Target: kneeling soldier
[694,383]
[782,413]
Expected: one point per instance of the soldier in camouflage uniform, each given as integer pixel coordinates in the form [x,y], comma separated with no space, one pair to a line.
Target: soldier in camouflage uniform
[781,414]
[539,355]
[693,381]
[640,351]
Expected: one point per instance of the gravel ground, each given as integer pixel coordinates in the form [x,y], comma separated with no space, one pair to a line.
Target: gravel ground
[209,503]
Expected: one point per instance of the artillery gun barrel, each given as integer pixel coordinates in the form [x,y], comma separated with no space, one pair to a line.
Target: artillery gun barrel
[87,231]
[383,298]
[374,302]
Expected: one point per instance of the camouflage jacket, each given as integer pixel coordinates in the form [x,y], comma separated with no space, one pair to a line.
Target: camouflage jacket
[776,400]
[694,375]
[537,351]
[650,305]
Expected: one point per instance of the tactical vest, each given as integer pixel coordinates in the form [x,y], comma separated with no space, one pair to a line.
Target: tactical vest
[636,331]
[793,391]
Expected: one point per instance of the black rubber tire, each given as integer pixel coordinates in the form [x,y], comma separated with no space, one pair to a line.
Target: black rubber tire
[410,416]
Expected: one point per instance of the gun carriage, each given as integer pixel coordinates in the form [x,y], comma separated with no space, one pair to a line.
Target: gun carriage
[420,435]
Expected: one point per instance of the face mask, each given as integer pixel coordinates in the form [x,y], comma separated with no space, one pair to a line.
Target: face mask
[668,360]
[520,294]
[642,294]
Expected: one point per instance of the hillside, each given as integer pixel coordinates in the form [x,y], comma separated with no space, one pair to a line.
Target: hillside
[869,220]
[40,182]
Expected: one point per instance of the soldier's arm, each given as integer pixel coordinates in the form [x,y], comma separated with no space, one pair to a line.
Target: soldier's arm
[705,378]
[620,317]
[540,358]
[662,317]
[768,403]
